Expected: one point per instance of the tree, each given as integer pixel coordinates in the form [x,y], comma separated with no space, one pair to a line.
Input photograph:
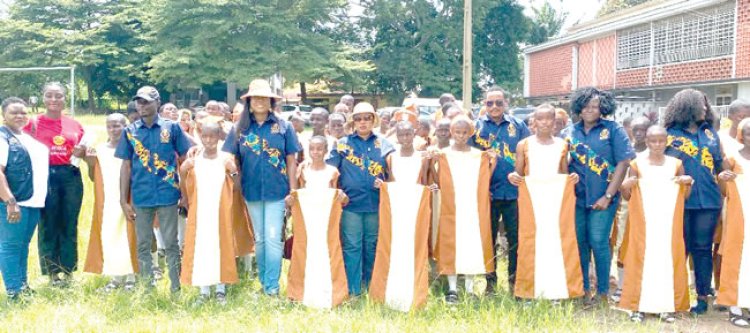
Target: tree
[547,22]
[613,6]
[96,36]
[200,42]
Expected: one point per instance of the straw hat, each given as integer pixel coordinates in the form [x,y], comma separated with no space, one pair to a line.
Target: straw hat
[405,115]
[364,107]
[260,88]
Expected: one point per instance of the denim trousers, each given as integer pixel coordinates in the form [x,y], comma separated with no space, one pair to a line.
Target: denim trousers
[268,227]
[144,222]
[14,247]
[698,232]
[359,240]
[593,228]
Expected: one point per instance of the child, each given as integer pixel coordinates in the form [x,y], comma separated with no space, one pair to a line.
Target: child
[735,248]
[400,276]
[111,250]
[208,187]
[336,128]
[316,276]
[656,279]
[548,260]
[424,131]
[443,133]
[464,244]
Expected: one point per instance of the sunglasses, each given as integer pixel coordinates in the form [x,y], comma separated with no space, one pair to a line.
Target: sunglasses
[363,118]
[498,103]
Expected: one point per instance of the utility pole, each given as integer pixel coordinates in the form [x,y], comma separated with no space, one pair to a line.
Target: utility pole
[467,56]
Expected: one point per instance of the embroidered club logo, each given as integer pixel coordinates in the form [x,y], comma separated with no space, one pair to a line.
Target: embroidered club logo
[604,135]
[165,136]
[511,130]
[58,140]
[709,134]
[275,129]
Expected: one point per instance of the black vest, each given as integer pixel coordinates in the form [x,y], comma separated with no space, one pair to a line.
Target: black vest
[18,169]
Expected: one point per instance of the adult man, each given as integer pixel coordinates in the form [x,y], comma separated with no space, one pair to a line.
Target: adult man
[501,132]
[168,111]
[446,98]
[150,148]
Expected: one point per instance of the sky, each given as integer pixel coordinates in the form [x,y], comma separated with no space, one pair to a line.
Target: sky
[578,10]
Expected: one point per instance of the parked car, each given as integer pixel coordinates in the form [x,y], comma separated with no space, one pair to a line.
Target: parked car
[522,113]
[426,106]
[302,110]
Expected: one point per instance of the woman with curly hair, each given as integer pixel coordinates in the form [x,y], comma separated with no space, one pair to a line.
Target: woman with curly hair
[600,154]
[693,139]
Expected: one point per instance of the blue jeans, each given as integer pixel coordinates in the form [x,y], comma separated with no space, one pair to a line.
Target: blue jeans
[359,239]
[268,225]
[593,228]
[14,247]
[698,233]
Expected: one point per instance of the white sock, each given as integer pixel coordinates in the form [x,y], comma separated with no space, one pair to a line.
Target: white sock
[620,277]
[452,282]
[206,290]
[469,283]
[735,310]
[154,259]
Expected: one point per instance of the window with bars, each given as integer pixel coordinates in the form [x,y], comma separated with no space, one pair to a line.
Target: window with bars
[702,34]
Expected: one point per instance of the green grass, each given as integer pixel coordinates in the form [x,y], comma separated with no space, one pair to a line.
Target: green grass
[83,308]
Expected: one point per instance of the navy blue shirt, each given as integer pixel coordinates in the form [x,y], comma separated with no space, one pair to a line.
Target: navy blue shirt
[360,162]
[594,157]
[701,157]
[502,138]
[153,153]
[262,150]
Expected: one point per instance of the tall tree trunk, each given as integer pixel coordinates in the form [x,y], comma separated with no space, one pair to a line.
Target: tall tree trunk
[89,90]
[303,92]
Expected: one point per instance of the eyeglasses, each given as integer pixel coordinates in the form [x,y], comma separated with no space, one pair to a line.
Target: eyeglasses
[363,118]
[499,103]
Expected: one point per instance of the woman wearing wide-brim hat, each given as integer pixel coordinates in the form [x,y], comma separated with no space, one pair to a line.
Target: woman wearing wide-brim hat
[360,158]
[265,146]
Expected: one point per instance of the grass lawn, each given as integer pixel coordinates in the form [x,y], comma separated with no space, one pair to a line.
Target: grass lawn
[83,307]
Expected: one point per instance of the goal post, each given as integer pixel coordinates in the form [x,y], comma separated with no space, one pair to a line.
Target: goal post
[72,70]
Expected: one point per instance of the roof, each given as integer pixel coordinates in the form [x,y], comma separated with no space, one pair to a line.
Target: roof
[609,24]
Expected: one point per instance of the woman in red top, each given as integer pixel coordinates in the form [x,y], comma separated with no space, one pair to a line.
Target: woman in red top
[58,228]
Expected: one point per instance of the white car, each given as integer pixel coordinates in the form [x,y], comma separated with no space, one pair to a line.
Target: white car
[302,110]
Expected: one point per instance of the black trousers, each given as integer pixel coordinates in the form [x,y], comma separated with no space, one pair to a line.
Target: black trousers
[58,228]
[508,211]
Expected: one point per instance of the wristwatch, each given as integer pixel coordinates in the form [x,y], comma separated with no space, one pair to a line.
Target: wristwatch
[11,201]
[608,196]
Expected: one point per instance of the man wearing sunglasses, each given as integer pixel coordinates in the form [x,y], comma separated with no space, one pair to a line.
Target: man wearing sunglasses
[501,132]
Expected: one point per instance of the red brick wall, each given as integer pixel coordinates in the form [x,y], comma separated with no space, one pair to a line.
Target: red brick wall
[550,71]
[696,71]
[597,58]
[632,78]
[743,39]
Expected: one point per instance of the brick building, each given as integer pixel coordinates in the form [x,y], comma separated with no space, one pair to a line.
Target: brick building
[647,53]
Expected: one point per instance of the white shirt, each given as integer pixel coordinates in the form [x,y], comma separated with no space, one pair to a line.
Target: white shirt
[39,154]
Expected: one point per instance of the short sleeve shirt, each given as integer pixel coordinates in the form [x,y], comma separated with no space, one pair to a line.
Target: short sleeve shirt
[701,157]
[39,155]
[153,152]
[594,157]
[361,161]
[59,135]
[262,150]
[502,138]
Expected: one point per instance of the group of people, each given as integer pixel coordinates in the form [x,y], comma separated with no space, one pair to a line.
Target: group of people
[378,201]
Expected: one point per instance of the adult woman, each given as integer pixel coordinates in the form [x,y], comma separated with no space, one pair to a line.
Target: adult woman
[360,158]
[58,228]
[23,187]
[265,146]
[600,154]
[186,120]
[692,139]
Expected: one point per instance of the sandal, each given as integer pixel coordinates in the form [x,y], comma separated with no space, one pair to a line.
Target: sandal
[451,297]
[110,287]
[616,295]
[739,321]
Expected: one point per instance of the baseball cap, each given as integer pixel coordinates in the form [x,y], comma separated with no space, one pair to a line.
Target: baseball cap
[147,93]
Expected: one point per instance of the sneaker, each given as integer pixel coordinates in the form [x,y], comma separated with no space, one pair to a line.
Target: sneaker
[700,308]
[55,281]
[202,299]
[637,317]
[489,290]
[158,273]
[26,291]
[616,296]
[451,297]
[221,298]
[111,286]
[667,317]
[738,321]
[129,286]
[13,297]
